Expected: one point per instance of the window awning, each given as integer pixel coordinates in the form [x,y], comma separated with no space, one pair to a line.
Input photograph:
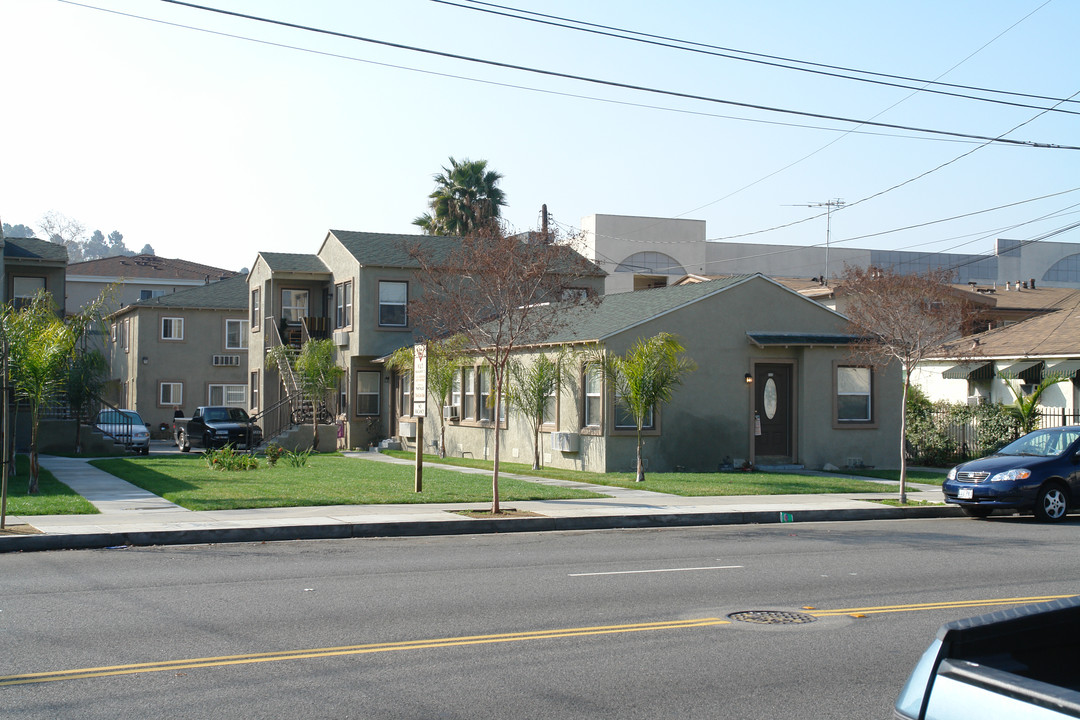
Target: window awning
[1030,371]
[796,339]
[1065,370]
[970,371]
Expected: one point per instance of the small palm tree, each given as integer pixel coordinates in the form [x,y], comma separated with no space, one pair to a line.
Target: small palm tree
[466,196]
[318,373]
[1026,409]
[645,377]
[444,361]
[532,388]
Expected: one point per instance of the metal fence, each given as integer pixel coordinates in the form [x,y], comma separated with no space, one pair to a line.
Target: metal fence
[952,441]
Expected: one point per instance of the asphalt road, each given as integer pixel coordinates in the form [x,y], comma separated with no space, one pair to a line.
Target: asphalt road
[627,624]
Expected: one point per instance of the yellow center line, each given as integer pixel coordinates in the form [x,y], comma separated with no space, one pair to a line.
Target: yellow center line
[114,670]
[936,606]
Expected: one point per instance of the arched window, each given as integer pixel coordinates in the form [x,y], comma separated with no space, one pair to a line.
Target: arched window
[651,262]
[1067,269]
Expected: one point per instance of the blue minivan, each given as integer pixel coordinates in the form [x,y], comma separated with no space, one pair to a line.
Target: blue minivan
[1039,472]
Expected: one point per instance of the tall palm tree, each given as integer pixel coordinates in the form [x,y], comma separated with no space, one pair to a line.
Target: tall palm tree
[466,196]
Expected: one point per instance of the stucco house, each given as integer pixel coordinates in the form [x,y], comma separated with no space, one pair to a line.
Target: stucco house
[775,386]
[180,350]
[30,265]
[355,289]
[1038,336]
[138,277]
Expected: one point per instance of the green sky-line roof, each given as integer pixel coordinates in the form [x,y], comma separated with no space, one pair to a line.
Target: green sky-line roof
[392,250]
[294,262]
[34,248]
[230,294]
[620,312]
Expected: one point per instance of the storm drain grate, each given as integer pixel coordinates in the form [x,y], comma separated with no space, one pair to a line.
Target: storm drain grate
[772,617]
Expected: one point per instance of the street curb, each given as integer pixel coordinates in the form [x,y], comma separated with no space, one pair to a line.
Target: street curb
[341,531]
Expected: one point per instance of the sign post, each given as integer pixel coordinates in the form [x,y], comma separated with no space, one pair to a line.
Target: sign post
[419,408]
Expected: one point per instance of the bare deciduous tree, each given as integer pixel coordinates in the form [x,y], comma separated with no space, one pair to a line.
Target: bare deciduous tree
[904,319]
[500,292]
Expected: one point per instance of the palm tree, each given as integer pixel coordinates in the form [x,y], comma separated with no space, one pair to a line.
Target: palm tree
[1026,409]
[318,373]
[645,377]
[533,388]
[466,196]
[444,362]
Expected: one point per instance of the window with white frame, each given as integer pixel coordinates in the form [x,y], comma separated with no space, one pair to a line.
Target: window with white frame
[393,301]
[234,395]
[294,305]
[854,386]
[254,389]
[256,317]
[23,290]
[343,304]
[594,396]
[171,393]
[468,385]
[172,328]
[405,394]
[485,394]
[236,335]
[551,404]
[367,392]
[455,393]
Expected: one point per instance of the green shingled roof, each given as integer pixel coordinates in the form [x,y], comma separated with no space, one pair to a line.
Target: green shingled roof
[389,250]
[616,313]
[293,262]
[34,248]
[231,294]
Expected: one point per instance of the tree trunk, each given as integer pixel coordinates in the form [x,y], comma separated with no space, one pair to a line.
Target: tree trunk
[495,469]
[32,488]
[903,440]
[640,468]
[442,434]
[536,445]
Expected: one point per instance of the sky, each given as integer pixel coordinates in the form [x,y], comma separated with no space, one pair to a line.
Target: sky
[212,137]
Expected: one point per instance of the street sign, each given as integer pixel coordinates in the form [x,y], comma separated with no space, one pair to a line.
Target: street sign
[419,390]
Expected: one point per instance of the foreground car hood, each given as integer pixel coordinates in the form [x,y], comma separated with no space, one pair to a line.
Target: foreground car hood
[999,463]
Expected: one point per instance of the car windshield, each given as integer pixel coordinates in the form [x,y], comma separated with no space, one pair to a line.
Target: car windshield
[1042,443]
[226,414]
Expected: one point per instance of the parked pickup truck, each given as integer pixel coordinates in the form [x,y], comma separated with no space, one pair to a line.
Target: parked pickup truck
[215,426]
[1015,663]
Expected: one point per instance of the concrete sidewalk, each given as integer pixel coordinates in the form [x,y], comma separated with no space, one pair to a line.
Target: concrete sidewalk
[132,516]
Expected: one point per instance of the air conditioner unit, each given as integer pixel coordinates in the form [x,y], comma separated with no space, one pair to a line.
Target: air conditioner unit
[226,361]
[450,412]
[977,400]
[341,337]
[565,442]
[407,430]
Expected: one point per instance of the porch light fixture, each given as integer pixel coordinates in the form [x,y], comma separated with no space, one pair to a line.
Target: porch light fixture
[749,378]
[145,360]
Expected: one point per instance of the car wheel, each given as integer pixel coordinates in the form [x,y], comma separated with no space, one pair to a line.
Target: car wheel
[1051,503]
[974,511]
[184,445]
[146,450]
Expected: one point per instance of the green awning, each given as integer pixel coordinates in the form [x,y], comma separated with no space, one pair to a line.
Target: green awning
[1030,371]
[970,371]
[1065,370]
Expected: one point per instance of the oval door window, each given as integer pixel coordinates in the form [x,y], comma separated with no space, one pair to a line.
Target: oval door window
[770,398]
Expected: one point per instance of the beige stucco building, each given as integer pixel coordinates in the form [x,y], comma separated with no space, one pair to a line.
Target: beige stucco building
[181,350]
[806,403]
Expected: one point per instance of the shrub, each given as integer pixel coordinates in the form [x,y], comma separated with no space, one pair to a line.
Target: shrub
[297,459]
[225,458]
[274,453]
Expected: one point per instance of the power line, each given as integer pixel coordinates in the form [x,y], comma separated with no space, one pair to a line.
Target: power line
[611,83]
[644,38]
[755,54]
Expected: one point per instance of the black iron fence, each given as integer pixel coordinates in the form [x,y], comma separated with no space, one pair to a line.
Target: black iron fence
[942,437]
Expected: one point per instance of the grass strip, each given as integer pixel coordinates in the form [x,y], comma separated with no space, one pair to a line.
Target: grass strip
[684,483]
[329,479]
[53,498]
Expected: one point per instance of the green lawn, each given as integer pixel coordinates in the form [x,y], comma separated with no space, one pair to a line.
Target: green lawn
[327,480]
[927,477]
[53,498]
[687,484]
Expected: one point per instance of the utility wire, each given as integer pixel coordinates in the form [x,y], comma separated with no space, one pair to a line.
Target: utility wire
[611,83]
[513,86]
[644,38]
[761,55]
